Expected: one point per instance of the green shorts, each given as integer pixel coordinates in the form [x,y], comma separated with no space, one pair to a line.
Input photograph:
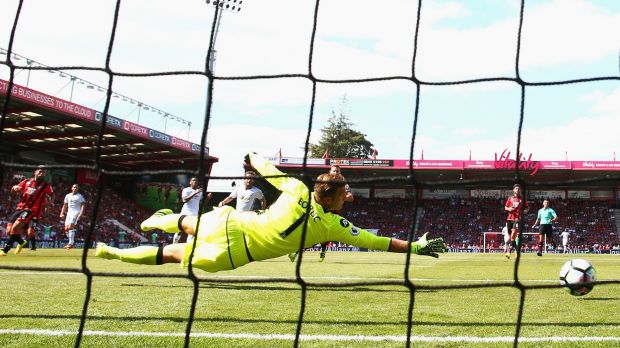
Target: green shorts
[220,245]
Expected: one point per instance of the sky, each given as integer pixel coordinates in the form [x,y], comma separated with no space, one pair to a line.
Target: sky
[457,40]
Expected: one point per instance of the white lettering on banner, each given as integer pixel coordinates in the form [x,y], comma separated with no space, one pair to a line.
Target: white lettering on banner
[486,193]
[181,143]
[481,165]
[157,135]
[134,128]
[546,194]
[444,193]
[111,120]
[431,164]
[554,165]
[579,194]
[74,109]
[588,164]
[39,98]
[115,122]
[310,161]
[43,99]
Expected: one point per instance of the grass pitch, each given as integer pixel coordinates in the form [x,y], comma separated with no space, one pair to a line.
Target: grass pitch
[44,308]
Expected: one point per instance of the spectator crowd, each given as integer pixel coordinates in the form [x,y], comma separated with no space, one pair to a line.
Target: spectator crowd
[461,221]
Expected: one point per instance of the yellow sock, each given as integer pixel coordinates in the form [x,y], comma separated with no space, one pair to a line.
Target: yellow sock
[144,255]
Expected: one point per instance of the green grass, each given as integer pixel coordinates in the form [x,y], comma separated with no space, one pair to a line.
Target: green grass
[53,301]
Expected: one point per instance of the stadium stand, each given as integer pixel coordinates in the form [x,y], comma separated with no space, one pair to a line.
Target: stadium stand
[115,210]
[462,221]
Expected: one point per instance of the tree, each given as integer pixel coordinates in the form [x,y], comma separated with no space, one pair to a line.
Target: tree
[339,140]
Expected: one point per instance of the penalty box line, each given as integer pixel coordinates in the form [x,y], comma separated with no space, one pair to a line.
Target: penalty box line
[290,337]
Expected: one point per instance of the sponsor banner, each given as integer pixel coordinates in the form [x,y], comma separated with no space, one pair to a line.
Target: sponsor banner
[181,144]
[48,101]
[300,161]
[551,194]
[479,164]
[488,193]
[432,193]
[364,162]
[596,165]
[159,136]
[429,164]
[86,176]
[531,251]
[579,194]
[136,129]
[602,194]
[550,165]
[360,192]
[389,193]
[72,109]
[111,121]
[525,163]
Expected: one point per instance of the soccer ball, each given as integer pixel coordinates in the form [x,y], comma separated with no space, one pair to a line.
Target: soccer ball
[577,276]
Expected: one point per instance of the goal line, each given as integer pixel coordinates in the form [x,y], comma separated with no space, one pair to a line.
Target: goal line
[291,337]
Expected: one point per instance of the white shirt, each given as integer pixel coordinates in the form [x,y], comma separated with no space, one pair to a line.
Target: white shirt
[74,203]
[190,207]
[505,233]
[245,197]
[505,230]
[564,236]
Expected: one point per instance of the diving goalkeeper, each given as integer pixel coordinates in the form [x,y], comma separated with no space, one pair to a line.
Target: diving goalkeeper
[227,239]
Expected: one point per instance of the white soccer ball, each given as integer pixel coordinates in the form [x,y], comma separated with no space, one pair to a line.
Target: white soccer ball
[577,276]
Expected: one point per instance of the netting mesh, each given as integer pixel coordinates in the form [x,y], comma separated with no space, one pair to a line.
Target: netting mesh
[305,284]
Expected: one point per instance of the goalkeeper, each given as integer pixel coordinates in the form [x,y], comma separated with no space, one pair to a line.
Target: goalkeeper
[227,239]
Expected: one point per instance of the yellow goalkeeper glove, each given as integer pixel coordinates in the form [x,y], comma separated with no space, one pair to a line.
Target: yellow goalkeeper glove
[428,247]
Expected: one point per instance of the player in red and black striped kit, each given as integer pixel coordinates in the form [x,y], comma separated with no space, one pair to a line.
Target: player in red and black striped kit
[34,192]
[515,204]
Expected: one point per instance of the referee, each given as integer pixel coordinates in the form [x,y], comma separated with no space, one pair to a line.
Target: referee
[546,217]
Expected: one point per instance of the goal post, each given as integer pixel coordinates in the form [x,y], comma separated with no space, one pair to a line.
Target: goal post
[485,234]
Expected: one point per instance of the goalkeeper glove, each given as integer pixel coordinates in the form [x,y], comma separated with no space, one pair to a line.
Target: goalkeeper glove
[428,247]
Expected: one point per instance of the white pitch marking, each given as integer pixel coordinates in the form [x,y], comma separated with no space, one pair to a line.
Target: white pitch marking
[290,337]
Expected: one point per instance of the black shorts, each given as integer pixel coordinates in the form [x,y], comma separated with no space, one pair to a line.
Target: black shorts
[24,215]
[512,224]
[546,230]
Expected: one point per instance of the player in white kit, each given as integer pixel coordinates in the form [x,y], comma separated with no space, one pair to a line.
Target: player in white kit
[191,197]
[73,208]
[506,239]
[565,235]
[246,195]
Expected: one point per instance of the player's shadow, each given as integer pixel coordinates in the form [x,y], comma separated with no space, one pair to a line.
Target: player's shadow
[308,259]
[326,287]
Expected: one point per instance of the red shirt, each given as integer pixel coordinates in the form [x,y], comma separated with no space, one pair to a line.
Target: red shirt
[515,202]
[33,195]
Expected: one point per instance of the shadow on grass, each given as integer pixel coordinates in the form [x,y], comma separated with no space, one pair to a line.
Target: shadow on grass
[332,262]
[318,322]
[326,287]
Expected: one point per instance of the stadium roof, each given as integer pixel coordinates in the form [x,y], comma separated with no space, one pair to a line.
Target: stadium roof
[67,133]
[492,174]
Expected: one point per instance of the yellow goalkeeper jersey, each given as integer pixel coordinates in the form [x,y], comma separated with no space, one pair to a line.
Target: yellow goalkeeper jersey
[278,230]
